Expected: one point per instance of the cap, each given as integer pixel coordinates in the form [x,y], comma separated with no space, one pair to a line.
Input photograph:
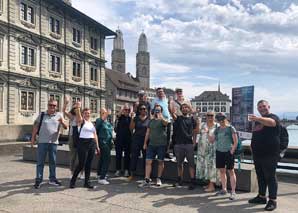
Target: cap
[141,92]
[220,116]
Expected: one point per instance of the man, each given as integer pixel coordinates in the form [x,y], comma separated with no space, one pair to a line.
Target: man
[162,101]
[265,147]
[142,101]
[47,126]
[175,106]
[185,139]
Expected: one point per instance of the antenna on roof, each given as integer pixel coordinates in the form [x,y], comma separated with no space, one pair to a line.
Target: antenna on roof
[218,86]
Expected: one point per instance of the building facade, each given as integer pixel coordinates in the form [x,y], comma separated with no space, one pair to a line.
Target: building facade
[48,49]
[214,101]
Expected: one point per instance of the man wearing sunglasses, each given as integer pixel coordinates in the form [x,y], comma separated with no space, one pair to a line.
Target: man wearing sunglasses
[47,126]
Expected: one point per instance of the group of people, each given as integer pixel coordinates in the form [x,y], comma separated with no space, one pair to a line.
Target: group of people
[145,129]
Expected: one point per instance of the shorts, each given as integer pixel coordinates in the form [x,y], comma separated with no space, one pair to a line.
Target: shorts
[152,151]
[185,151]
[224,160]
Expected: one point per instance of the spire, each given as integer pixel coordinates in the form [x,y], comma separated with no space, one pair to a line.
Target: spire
[118,41]
[143,46]
[218,86]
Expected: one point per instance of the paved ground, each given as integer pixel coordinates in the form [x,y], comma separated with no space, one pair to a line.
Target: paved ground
[18,195]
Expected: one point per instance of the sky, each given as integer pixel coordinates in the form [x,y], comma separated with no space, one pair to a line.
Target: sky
[195,44]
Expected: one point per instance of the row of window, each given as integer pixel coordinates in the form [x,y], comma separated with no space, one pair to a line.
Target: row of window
[28,101]
[27,15]
[28,56]
[210,103]
[210,108]
[127,94]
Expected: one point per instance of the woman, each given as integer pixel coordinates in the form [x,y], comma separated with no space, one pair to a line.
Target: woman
[86,146]
[72,139]
[123,141]
[104,131]
[138,126]
[206,168]
[226,141]
[157,135]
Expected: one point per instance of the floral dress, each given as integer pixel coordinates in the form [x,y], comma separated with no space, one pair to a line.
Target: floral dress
[206,168]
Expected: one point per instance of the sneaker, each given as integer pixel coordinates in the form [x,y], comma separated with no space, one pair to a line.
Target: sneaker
[88,186]
[72,185]
[232,196]
[191,186]
[103,182]
[168,156]
[37,184]
[81,176]
[158,182]
[145,183]
[178,184]
[258,200]
[271,205]
[126,173]
[130,178]
[55,182]
[221,193]
[117,173]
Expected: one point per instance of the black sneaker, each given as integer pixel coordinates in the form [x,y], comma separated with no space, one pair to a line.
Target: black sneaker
[55,182]
[258,200]
[271,205]
[168,156]
[37,184]
[191,186]
[88,186]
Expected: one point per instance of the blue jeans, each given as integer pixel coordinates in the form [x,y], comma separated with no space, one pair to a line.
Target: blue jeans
[42,150]
[152,151]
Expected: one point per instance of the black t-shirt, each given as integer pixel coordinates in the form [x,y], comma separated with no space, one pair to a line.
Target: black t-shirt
[184,127]
[265,140]
[122,129]
[140,126]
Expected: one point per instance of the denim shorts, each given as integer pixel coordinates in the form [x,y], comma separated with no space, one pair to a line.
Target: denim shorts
[152,151]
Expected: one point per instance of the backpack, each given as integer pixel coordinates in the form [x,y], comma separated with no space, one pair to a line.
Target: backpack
[40,122]
[284,140]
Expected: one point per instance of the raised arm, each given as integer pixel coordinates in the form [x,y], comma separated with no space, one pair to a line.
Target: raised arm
[263,120]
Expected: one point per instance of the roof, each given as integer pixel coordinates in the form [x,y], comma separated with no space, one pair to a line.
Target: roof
[123,80]
[106,31]
[212,96]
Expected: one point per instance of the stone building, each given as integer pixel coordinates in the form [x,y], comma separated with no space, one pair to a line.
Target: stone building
[48,49]
[121,85]
[212,101]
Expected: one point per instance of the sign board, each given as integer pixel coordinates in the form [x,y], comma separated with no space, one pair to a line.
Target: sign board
[242,105]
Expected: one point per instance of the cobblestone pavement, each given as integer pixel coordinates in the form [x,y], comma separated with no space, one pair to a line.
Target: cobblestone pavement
[18,195]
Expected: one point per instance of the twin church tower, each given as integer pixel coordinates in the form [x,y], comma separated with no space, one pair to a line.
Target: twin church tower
[142,59]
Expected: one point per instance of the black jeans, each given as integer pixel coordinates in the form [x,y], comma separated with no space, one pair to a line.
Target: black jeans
[137,146]
[122,146]
[86,149]
[266,174]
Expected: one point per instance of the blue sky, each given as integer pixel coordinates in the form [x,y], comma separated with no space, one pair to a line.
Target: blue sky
[194,44]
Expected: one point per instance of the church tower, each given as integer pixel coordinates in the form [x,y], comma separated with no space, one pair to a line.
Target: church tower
[143,62]
[118,53]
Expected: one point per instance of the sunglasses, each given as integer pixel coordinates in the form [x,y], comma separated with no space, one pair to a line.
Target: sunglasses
[210,115]
[126,109]
[52,105]
[142,108]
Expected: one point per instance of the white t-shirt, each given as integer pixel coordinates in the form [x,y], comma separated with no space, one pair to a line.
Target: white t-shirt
[88,130]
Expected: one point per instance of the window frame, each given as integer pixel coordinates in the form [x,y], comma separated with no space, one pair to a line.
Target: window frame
[53,20]
[92,70]
[24,15]
[76,35]
[1,97]
[27,54]
[93,43]
[27,100]
[75,69]
[56,56]
[92,102]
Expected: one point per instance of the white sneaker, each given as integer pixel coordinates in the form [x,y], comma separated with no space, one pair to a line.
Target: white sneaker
[117,173]
[158,182]
[81,176]
[232,196]
[126,173]
[103,182]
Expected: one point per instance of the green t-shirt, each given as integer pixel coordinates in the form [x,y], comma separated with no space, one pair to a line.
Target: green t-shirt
[224,138]
[158,134]
[104,130]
